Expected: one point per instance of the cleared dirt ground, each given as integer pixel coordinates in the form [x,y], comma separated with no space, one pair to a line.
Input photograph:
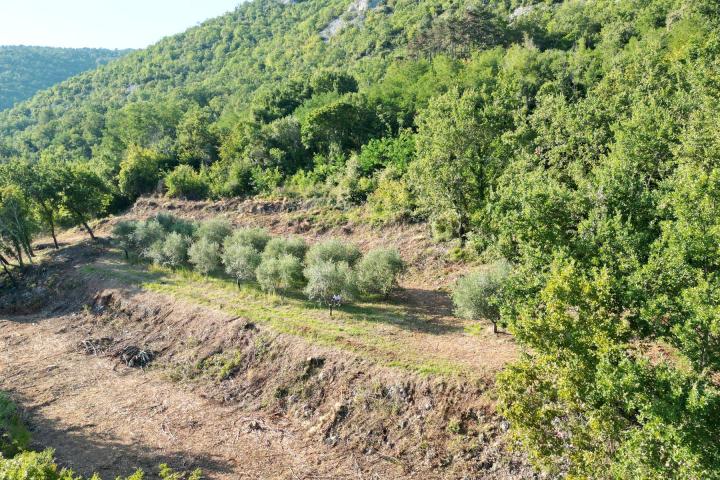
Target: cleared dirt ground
[366,410]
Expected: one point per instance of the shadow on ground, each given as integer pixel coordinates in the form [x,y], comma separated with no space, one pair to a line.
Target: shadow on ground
[87,453]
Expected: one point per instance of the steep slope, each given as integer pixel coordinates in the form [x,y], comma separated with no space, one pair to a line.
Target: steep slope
[220,64]
[25,70]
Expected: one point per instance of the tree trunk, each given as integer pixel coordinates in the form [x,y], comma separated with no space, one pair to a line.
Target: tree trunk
[28,250]
[5,264]
[51,220]
[84,224]
[495,329]
[49,215]
[89,230]
[18,254]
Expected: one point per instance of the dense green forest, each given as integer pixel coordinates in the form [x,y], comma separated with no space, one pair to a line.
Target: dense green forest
[575,141]
[26,70]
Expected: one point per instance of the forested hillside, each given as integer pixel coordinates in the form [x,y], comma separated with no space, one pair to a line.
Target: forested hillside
[25,70]
[575,141]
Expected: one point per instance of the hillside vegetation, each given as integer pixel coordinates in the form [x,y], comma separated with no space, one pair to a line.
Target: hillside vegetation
[574,143]
[25,70]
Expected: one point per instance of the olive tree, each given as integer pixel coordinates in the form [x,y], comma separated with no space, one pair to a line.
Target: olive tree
[279,273]
[334,251]
[478,294]
[204,254]
[240,260]
[378,271]
[330,283]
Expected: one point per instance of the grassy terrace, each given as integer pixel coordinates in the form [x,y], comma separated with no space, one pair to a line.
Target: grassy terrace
[383,331]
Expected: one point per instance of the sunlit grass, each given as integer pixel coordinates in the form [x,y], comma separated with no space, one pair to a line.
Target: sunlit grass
[380,331]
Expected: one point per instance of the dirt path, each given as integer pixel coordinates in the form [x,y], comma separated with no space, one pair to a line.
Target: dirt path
[105,418]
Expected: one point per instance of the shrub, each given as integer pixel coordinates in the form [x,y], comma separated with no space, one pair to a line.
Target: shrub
[333,251]
[175,249]
[140,171]
[280,273]
[294,246]
[146,234]
[124,233]
[257,238]
[33,465]
[353,188]
[171,223]
[326,279]
[378,271]
[214,230]
[240,260]
[392,200]
[479,294]
[154,252]
[204,254]
[266,180]
[41,466]
[14,436]
[185,182]
[231,178]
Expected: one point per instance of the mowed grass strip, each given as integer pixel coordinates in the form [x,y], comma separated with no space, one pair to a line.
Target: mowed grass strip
[380,330]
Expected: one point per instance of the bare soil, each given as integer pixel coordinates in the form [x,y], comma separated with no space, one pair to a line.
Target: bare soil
[286,409]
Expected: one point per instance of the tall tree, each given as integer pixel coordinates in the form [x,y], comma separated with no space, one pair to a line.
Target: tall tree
[16,224]
[455,163]
[84,194]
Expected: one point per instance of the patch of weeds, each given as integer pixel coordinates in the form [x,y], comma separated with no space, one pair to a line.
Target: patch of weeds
[455,426]
[261,345]
[281,392]
[222,366]
[14,435]
[475,329]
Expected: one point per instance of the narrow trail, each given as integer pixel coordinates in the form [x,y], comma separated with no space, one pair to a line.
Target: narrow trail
[106,418]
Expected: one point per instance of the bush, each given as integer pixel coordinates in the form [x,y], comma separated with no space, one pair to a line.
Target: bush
[42,466]
[140,171]
[185,182]
[146,234]
[333,251]
[294,246]
[175,249]
[231,179]
[392,200]
[280,273]
[171,223]
[204,254]
[35,466]
[215,230]
[14,436]
[378,271]
[240,260]
[124,233]
[154,253]
[479,294]
[326,279]
[257,238]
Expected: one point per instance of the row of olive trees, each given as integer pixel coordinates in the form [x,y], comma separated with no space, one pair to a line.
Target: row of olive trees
[330,272]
